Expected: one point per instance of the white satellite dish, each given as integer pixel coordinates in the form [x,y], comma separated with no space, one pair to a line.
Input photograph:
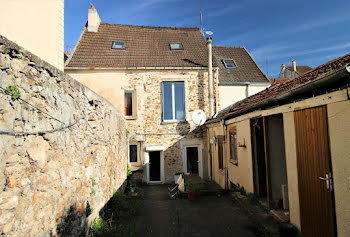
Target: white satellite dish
[208,32]
[198,117]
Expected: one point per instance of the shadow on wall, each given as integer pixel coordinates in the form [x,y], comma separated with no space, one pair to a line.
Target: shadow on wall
[74,223]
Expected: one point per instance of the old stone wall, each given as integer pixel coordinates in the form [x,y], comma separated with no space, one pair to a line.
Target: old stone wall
[46,179]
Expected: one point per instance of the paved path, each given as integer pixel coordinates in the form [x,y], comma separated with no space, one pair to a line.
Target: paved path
[209,216]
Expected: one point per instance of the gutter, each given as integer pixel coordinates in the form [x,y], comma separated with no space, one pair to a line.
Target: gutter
[135,68]
[333,77]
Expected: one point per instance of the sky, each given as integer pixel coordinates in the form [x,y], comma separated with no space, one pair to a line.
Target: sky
[312,32]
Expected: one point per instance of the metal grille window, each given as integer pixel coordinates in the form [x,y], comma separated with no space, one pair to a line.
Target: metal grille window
[173,101]
[220,152]
[233,146]
[133,153]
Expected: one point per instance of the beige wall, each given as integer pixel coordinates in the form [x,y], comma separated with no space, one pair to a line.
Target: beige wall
[37,26]
[291,162]
[241,174]
[339,134]
[255,88]
[148,126]
[219,175]
[230,94]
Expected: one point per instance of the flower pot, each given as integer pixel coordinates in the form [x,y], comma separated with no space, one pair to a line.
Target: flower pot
[193,195]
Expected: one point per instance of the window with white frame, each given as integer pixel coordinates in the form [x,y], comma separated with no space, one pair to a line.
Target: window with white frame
[173,94]
[229,63]
[133,153]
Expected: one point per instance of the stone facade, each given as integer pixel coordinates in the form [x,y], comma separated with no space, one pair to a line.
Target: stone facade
[147,128]
[47,179]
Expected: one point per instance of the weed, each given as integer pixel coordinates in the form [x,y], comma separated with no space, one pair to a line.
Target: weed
[13,92]
[253,199]
[93,192]
[93,182]
[128,171]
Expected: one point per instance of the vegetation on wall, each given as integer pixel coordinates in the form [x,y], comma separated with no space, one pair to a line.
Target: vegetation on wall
[13,92]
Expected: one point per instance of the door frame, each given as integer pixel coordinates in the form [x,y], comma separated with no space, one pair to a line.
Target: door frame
[192,143]
[200,167]
[146,155]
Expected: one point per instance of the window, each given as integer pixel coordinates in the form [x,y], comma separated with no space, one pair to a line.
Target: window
[233,146]
[173,101]
[133,153]
[118,45]
[129,104]
[229,63]
[220,152]
[176,46]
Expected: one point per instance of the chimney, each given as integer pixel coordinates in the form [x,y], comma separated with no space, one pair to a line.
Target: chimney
[210,76]
[294,65]
[93,19]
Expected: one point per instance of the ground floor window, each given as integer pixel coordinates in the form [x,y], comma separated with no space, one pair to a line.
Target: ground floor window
[220,152]
[233,146]
[133,153]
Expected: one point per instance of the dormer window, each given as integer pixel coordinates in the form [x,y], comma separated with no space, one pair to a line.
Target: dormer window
[176,46]
[118,45]
[229,63]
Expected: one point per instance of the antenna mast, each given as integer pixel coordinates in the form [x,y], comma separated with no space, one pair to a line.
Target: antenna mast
[200,16]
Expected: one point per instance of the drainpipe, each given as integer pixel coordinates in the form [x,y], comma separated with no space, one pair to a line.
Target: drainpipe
[210,76]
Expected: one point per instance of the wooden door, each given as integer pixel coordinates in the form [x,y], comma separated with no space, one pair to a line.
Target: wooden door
[313,161]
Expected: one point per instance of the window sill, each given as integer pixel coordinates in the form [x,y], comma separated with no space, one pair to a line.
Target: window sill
[130,117]
[172,122]
[234,162]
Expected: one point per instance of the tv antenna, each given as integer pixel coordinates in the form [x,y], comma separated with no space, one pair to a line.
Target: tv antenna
[201,21]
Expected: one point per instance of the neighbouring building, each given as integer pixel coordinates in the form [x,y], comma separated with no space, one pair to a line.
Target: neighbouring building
[293,71]
[36,25]
[158,76]
[239,75]
[288,145]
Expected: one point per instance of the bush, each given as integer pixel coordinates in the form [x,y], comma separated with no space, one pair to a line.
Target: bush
[253,199]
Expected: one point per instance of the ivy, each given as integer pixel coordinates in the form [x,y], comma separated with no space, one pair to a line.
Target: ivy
[13,92]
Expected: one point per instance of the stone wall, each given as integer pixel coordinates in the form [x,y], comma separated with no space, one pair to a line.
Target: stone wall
[47,179]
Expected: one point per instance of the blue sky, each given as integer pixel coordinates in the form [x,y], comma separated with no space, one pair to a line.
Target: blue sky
[310,31]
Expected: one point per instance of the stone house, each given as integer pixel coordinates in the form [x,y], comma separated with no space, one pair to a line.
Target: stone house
[158,76]
[293,71]
[38,26]
[288,145]
[239,75]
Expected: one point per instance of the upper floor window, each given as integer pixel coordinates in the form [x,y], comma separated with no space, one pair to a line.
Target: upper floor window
[129,104]
[176,46]
[173,101]
[118,45]
[233,146]
[229,63]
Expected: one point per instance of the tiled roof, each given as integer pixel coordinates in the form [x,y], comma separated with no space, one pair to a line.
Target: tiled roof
[300,69]
[146,46]
[278,89]
[278,80]
[247,70]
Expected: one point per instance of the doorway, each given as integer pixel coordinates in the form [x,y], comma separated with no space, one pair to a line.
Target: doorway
[192,160]
[154,166]
[259,164]
[315,183]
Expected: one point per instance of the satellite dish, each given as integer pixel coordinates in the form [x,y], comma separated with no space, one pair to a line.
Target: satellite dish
[198,117]
[208,32]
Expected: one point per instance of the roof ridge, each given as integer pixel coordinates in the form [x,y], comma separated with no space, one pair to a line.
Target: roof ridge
[219,46]
[153,27]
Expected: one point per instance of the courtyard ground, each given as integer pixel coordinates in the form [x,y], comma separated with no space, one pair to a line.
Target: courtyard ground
[208,216]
